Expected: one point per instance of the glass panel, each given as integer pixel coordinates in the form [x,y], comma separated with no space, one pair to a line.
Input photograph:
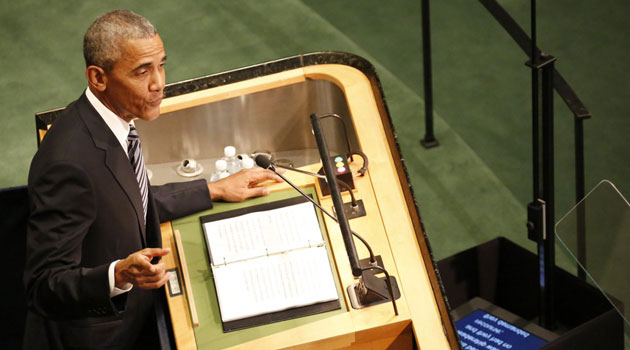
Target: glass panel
[603,255]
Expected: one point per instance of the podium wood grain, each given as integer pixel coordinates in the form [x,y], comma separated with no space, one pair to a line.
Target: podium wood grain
[178,305]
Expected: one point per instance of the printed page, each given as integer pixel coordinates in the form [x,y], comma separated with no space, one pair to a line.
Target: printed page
[262,233]
[274,283]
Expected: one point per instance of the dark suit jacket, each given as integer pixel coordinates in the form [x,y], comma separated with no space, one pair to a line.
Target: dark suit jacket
[86,211]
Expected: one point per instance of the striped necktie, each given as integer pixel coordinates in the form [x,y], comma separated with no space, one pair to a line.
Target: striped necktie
[137,162]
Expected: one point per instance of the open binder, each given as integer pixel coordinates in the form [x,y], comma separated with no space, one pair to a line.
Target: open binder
[269,263]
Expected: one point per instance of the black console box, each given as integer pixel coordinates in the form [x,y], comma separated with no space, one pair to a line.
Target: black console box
[506,275]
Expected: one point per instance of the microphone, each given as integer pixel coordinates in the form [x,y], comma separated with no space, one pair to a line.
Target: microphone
[264,161]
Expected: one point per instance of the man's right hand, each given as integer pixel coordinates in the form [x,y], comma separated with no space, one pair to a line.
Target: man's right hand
[242,185]
[137,269]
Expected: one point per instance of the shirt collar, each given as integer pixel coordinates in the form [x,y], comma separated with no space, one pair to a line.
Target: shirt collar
[117,125]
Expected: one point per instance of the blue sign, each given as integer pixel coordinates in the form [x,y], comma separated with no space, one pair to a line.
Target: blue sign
[480,330]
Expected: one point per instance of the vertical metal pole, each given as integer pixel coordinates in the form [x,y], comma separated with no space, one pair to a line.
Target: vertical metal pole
[537,190]
[547,316]
[534,55]
[544,226]
[579,195]
[429,140]
[535,133]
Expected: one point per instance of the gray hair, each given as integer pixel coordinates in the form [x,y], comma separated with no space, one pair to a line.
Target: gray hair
[101,42]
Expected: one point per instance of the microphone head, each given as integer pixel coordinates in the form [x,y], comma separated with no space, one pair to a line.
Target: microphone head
[264,161]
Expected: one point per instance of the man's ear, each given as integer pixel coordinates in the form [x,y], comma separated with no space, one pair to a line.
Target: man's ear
[96,77]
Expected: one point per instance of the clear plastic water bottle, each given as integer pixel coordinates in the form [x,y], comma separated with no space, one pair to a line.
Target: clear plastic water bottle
[220,171]
[233,164]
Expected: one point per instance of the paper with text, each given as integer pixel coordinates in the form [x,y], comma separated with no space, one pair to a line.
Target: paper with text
[274,283]
[262,233]
[269,261]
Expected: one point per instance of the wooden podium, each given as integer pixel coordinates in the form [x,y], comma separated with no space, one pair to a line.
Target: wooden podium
[392,227]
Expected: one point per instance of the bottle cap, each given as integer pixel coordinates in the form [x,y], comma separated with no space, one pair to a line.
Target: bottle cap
[221,165]
[229,151]
[247,163]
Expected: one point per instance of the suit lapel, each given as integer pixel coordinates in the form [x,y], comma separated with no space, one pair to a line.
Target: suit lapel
[116,160]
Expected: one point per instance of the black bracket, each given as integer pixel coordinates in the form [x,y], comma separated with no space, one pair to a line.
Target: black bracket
[541,61]
[536,221]
[354,211]
[372,286]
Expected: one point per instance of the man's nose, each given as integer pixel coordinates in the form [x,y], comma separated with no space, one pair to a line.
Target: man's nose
[157,82]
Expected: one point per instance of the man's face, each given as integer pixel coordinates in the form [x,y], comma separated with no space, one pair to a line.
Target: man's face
[135,84]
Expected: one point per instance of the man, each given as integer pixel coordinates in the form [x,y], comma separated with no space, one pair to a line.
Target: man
[91,204]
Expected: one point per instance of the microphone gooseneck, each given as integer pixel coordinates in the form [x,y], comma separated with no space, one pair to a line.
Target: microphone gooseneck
[264,161]
[319,176]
